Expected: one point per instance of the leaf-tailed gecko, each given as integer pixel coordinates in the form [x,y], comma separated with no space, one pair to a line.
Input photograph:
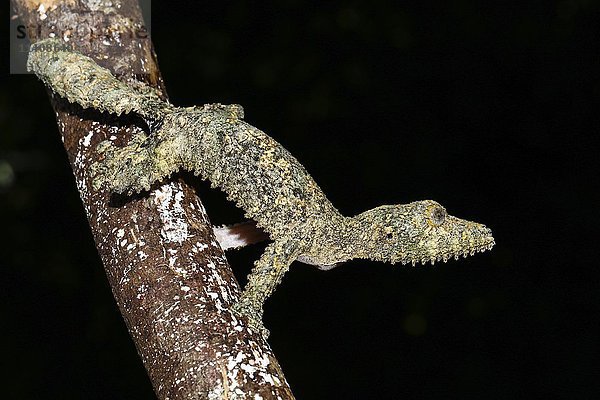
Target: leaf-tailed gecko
[256,173]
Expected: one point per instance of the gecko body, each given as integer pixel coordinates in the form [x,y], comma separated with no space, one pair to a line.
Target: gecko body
[257,174]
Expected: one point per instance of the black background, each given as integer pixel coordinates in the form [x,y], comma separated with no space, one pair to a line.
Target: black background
[489,108]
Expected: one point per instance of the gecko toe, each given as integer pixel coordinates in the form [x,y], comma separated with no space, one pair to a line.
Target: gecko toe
[253,317]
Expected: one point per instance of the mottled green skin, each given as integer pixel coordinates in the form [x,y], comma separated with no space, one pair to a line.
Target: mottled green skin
[80,80]
[260,176]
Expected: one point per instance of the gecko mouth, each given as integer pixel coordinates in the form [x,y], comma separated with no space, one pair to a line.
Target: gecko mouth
[480,248]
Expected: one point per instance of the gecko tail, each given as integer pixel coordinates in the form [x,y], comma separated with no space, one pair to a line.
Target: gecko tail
[239,235]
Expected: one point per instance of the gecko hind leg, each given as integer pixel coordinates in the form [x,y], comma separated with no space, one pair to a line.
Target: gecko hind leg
[267,273]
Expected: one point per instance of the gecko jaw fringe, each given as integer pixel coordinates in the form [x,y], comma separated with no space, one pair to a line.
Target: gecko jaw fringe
[446,257]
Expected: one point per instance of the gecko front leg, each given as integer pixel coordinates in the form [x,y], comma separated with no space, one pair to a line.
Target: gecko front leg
[144,161]
[267,273]
[126,169]
[179,142]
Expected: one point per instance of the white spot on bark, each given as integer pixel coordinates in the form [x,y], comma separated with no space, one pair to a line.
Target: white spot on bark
[168,202]
[199,247]
[248,369]
[217,393]
[42,12]
[88,139]
[141,291]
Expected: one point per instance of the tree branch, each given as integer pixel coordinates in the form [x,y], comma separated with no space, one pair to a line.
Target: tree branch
[168,275]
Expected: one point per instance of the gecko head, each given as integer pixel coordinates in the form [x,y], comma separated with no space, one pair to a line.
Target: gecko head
[421,231]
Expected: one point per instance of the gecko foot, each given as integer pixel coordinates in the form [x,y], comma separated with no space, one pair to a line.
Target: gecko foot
[125,169]
[254,317]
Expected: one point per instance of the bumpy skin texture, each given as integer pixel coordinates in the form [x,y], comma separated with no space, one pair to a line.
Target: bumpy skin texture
[80,80]
[256,173]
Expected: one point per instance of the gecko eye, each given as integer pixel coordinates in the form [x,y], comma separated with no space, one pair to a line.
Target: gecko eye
[438,216]
[388,233]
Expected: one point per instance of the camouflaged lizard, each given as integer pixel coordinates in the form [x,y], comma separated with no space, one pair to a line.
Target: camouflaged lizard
[256,173]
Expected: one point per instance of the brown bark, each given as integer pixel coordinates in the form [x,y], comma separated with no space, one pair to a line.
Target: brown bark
[168,275]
